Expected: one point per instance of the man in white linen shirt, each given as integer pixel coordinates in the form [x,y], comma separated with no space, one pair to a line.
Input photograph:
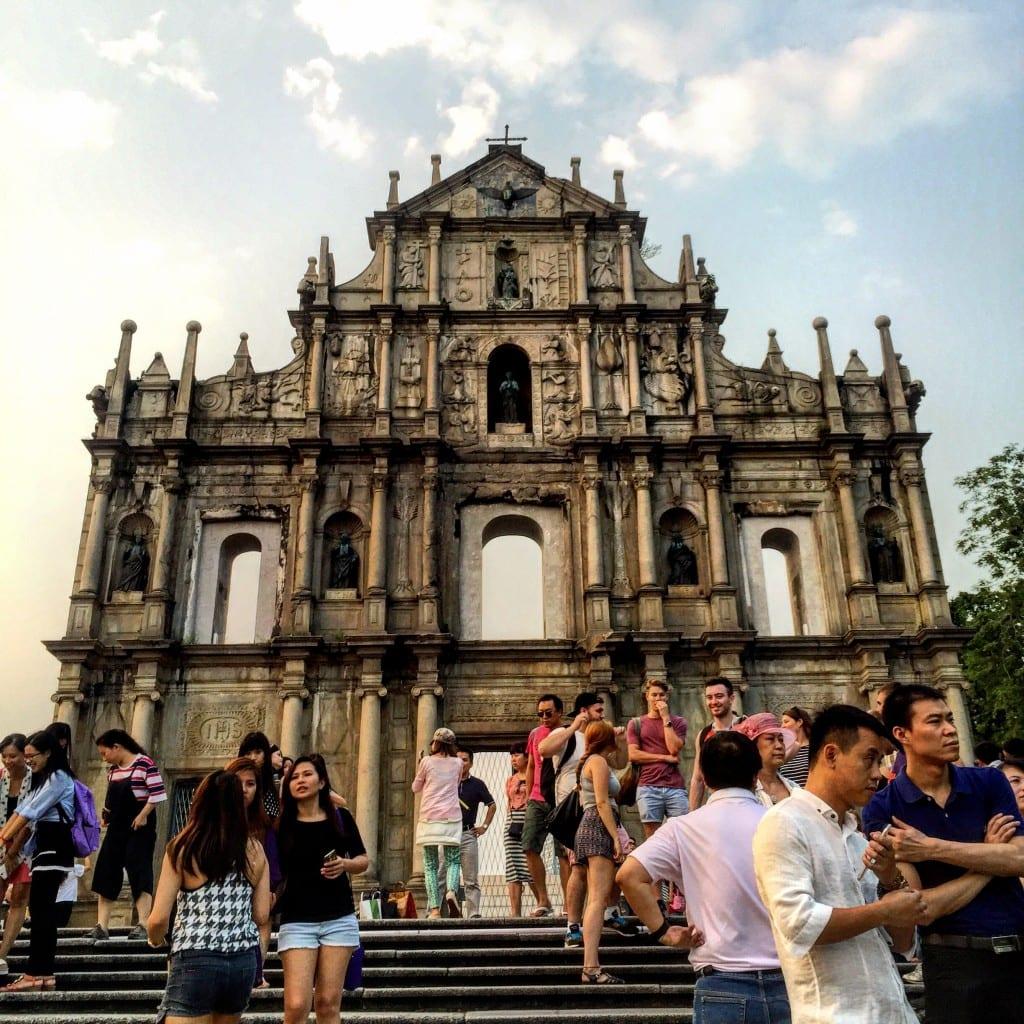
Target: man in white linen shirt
[709,854]
[807,857]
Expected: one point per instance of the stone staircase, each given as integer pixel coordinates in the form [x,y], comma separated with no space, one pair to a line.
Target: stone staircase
[441,972]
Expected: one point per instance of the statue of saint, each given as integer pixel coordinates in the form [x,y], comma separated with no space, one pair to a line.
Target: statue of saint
[134,566]
[884,556]
[410,266]
[682,564]
[508,283]
[344,565]
[509,398]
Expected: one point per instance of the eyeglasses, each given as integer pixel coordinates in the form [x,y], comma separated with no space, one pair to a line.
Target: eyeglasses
[549,713]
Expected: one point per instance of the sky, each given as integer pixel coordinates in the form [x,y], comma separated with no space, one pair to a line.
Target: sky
[178,162]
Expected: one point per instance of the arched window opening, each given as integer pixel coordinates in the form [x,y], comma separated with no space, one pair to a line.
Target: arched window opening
[509,392]
[238,584]
[780,558]
[512,586]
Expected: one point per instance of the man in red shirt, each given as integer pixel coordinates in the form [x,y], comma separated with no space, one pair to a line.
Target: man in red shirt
[540,784]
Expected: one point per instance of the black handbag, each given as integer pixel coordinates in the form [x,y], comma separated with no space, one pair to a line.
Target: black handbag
[565,819]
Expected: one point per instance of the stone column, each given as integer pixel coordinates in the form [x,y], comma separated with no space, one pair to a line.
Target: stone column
[183,403]
[428,543]
[305,546]
[626,250]
[92,563]
[291,721]
[384,370]
[586,373]
[144,717]
[893,382]
[642,477]
[911,476]
[172,486]
[67,709]
[595,553]
[843,479]
[711,481]
[633,362]
[955,699]
[579,237]
[705,420]
[388,268]
[377,570]
[433,328]
[434,273]
[368,766]
[314,399]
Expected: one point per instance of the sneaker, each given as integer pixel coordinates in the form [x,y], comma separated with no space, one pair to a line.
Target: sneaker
[617,923]
[98,934]
[915,977]
[138,933]
[573,937]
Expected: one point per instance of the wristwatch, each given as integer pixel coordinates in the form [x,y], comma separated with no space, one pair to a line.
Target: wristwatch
[900,883]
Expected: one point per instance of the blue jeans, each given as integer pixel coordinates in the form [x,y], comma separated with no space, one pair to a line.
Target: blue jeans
[659,803]
[741,997]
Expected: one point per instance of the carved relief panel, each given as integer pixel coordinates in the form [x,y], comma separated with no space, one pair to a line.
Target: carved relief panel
[463,277]
[350,386]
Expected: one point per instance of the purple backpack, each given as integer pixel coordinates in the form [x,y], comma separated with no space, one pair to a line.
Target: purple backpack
[85,826]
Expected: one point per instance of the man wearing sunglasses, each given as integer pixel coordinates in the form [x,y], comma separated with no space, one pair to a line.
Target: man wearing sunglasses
[540,786]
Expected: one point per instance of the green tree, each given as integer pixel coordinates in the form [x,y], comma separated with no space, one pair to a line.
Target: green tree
[994,534]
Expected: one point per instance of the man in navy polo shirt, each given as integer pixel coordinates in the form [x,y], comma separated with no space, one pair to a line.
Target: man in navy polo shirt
[948,822]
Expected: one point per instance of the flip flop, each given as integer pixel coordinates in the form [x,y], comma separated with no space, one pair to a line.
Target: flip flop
[543,912]
[26,983]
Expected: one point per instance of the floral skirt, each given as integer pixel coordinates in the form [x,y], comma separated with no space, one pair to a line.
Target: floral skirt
[593,840]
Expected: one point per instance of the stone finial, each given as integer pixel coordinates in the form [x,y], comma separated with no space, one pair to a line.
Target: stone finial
[686,271]
[819,323]
[773,361]
[129,326]
[242,364]
[855,367]
[574,165]
[193,327]
[620,192]
[435,169]
[882,321]
[829,385]
[393,189]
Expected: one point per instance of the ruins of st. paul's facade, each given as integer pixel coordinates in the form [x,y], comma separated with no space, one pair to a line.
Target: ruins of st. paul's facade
[506,365]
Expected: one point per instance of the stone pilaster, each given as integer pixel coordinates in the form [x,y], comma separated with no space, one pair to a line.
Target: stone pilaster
[626,251]
[637,420]
[305,546]
[146,696]
[723,596]
[293,694]
[598,612]
[651,615]
[427,692]
[829,387]
[429,599]
[934,605]
[588,412]
[86,600]
[579,239]
[382,421]
[431,413]
[388,236]
[434,268]
[375,604]
[314,397]
[371,693]
[705,417]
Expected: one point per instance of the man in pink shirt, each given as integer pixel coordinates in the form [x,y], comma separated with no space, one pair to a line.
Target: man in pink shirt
[709,854]
[540,783]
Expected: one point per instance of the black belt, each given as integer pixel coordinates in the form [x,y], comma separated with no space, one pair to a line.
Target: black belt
[992,943]
[771,973]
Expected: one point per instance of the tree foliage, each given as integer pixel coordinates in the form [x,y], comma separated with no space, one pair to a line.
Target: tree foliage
[994,534]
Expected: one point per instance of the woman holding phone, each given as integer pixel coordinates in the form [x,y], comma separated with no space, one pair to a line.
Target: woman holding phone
[320,847]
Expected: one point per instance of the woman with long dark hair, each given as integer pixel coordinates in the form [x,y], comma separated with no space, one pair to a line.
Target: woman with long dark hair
[256,747]
[320,848]
[15,783]
[261,830]
[215,874]
[50,809]
[61,731]
[134,788]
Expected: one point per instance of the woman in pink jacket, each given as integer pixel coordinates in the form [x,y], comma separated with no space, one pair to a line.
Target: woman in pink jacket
[440,820]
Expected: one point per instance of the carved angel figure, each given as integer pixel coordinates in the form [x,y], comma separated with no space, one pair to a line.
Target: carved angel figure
[507,194]
[410,266]
[604,273]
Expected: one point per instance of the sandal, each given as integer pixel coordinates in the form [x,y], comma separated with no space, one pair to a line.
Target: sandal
[451,902]
[599,976]
[434,913]
[27,983]
[542,912]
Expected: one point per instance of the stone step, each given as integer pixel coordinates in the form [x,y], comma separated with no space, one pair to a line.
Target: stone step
[600,1015]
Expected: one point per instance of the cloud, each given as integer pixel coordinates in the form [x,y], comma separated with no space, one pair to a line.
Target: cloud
[315,82]
[184,70]
[617,152]
[836,221]
[471,119]
[806,107]
[143,42]
[192,80]
[62,120]
[413,144]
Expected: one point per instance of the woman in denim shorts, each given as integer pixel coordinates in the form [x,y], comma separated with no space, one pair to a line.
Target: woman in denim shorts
[320,847]
[216,876]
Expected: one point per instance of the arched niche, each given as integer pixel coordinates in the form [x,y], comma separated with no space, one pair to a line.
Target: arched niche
[131,567]
[218,583]
[681,560]
[886,557]
[540,526]
[509,363]
[339,570]
[512,579]
[785,593]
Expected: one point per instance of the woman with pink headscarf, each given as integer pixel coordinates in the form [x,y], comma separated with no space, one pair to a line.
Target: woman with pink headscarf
[772,740]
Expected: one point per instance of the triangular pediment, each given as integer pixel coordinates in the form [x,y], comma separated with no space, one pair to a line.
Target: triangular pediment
[505,183]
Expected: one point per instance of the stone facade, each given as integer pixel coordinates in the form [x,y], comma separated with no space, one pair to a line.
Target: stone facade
[652,471]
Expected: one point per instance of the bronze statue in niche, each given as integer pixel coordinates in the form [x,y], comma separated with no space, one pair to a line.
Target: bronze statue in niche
[509,399]
[134,566]
[682,563]
[884,556]
[344,573]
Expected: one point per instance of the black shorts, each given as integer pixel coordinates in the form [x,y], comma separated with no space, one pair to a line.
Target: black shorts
[201,982]
[130,851]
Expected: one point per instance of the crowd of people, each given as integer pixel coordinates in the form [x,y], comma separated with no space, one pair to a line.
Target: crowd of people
[810,854]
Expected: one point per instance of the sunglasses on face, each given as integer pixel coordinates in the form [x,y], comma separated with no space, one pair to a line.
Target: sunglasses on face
[546,714]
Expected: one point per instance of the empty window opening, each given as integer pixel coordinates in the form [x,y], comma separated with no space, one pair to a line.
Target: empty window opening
[238,584]
[513,581]
[780,557]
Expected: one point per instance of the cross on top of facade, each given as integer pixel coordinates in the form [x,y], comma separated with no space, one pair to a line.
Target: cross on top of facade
[506,140]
